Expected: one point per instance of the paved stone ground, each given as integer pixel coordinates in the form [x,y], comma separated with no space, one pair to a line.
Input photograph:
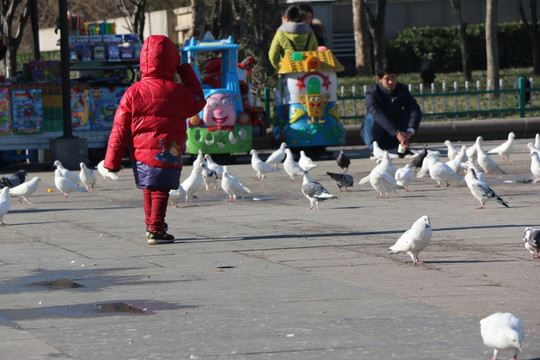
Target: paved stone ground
[267,278]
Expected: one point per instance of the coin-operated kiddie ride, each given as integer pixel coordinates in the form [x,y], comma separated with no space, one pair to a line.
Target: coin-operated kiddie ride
[305,104]
[225,124]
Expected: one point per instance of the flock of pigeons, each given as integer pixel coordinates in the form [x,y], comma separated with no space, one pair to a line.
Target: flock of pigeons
[385,179]
[500,331]
[66,181]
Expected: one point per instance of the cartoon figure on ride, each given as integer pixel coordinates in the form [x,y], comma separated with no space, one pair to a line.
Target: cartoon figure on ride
[306,102]
[225,124]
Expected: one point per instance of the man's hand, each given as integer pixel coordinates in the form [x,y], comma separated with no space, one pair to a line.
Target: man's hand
[403,138]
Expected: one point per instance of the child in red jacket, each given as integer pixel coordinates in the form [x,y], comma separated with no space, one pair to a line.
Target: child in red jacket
[152,117]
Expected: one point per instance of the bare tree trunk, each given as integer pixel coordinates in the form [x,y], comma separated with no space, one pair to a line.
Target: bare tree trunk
[462,34]
[8,10]
[198,27]
[532,29]
[376,28]
[364,65]
[134,17]
[492,51]
[255,36]
[223,20]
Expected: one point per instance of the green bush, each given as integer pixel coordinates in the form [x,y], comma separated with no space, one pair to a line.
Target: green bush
[441,44]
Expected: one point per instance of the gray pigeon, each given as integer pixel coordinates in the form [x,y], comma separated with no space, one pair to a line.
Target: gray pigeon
[531,239]
[343,181]
[480,190]
[314,191]
[343,161]
[13,180]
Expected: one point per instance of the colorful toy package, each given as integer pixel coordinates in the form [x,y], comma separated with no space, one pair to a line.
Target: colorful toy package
[27,111]
[104,102]
[80,109]
[45,72]
[6,124]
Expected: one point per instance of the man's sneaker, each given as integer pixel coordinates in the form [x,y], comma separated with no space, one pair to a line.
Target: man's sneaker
[406,153]
[159,237]
[148,229]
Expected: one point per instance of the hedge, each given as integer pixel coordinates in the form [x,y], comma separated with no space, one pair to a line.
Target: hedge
[441,44]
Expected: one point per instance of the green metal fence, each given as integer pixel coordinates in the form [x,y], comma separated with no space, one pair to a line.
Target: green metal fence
[440,103]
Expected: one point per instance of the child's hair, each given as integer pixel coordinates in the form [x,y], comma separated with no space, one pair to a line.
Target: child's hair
[386,67]
[293,14]
[305,9]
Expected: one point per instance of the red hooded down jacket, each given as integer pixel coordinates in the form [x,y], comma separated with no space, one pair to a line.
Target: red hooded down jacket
[152,113]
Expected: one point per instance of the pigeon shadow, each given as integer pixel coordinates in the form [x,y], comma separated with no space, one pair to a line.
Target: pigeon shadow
[348,234]
[482,227]
[24,211]
[464,261]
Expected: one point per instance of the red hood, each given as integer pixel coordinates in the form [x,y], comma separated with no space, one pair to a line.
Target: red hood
[159,57]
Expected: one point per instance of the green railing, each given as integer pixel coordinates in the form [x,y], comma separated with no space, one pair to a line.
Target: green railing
[438,103]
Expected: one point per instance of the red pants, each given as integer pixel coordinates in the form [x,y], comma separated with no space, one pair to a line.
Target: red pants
[155,207]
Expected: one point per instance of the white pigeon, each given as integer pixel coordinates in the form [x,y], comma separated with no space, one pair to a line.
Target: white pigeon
[305,161]
[404,176]
[65,185]
[486,162]
[105,173]
[440,171]
[260,167]
[535,166]
[505,148]
[212,165]
[210,177]
[471,151]
[531,239]
[175,195]
[291,167]
[24,190]
[461,155]
[479,174]
[414,240]
[67,173]
[199,160]
[480,190]
[452,151]
[382,182]
[232,186]
[314,191]
[192,183]
[277,156]
[502,332]
[456,165]
[4,204]
[532,149]
[88,176]
[386,163]
[378,153]
[537,141]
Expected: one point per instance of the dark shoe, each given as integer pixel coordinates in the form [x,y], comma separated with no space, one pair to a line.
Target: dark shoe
[159,237]
[148,229]
[406,153]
